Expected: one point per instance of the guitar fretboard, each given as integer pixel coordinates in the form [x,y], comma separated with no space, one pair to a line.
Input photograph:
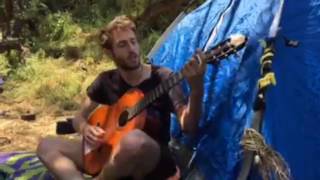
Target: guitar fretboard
[213,56]
[161,89]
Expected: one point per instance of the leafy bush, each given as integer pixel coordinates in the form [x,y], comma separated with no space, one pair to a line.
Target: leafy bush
[148,42]
[61,26]
[4,65]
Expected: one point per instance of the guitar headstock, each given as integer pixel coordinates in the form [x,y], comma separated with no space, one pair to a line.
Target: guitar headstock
[225,48]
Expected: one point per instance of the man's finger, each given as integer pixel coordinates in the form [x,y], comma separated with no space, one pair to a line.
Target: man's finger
[203,63]
[89,139]
[190,70]
[97,132]
[199,59]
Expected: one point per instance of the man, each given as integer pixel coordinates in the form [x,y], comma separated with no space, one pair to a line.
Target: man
[142,154]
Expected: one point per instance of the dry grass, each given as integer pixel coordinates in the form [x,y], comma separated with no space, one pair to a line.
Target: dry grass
[20,135]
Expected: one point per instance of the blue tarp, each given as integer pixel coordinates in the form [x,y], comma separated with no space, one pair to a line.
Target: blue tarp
[292,106]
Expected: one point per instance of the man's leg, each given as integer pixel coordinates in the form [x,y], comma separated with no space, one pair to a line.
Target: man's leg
[62,157]
[136,155]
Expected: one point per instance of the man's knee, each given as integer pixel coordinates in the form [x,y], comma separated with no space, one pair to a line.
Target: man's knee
[52,148]
[47,145]
[139,143]
[43,146]
[136,147]
[136,155]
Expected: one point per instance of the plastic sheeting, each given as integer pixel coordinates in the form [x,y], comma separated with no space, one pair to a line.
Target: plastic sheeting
[229,87]
[293,106]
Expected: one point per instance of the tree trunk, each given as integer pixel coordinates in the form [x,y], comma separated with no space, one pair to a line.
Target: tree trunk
[154,10]
[8,5]
[10,45]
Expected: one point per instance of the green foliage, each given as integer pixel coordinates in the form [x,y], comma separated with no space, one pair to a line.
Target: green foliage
[31,9]
[14,59]
[94,14]
[133,8]
[93,50]
[148,42]
[58,27]
[4,65]
[2,9]
[57,32]
[108,8]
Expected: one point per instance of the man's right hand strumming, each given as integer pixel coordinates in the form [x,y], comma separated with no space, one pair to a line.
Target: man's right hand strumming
[93,135]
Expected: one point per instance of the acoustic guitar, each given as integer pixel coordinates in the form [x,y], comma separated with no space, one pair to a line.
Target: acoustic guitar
[128,113]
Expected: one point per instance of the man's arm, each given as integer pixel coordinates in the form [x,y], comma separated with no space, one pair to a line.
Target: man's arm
[80,119]
[190,114]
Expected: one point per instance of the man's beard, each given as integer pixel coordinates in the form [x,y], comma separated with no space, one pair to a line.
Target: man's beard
[127,67]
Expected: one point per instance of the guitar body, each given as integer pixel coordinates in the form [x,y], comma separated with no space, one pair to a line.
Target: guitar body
[107,117]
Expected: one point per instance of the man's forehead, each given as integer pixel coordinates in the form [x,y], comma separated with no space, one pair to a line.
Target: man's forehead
[122,34]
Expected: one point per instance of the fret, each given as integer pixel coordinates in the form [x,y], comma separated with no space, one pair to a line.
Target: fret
[227,52]
[130,112]
[174,80]
[141,105]
[146,100]
[157,93]
[180,75]
[165,86]
[170,82]
[150,97]
[223,54]
[153,95]
[135,109]
[161,89]
[214,57]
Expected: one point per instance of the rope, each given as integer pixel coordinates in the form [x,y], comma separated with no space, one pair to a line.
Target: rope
[270,163]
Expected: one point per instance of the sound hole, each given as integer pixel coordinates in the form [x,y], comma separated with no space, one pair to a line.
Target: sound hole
[123,119]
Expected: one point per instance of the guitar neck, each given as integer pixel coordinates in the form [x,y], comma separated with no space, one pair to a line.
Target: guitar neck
[161,89]
[212,56]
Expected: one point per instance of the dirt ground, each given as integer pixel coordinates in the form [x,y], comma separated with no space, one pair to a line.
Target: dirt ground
[22,135]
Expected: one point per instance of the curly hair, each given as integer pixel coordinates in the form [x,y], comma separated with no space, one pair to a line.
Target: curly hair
[119,22]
